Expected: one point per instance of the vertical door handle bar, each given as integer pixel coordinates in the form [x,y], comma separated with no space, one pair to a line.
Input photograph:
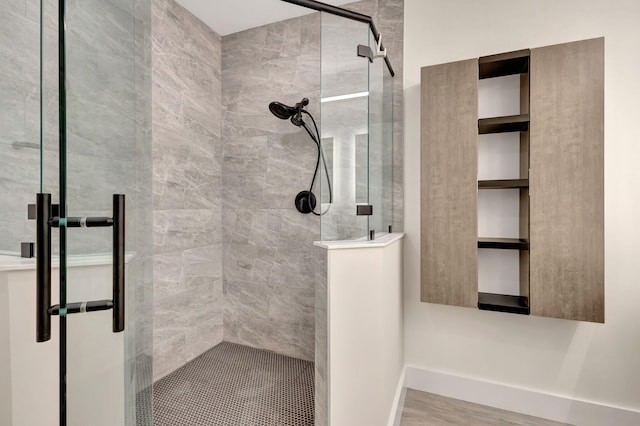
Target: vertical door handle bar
[43,267]
[118,262]
[44,310]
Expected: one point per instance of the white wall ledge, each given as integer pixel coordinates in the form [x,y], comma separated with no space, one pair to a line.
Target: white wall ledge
[381,241]
[16,263]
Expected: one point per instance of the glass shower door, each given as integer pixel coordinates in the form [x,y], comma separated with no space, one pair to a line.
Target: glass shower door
[74,89]
[344,127]
[380,161]
[357,132]
[96,109]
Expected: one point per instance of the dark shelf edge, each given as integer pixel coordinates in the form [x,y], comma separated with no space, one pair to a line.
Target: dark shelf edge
[503,184]
[503,243]
[512,123]
[510,63]
[508,56]
[504,303]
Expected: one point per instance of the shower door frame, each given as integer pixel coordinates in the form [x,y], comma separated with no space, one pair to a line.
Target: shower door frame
[355,16]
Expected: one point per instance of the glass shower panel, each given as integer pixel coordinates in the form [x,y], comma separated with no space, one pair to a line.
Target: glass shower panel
[388,150]
[19,123]
[380,167]
[344,127]
[107,151]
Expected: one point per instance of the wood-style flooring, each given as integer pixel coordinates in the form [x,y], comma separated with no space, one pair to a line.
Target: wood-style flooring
[427,409]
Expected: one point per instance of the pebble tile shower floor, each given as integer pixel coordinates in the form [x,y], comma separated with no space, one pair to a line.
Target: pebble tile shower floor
[235,385]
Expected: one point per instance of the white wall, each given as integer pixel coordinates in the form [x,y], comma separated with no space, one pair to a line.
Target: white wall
[592,362]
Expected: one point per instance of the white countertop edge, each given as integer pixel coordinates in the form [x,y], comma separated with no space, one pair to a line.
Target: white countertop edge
[382,241]
[16,263]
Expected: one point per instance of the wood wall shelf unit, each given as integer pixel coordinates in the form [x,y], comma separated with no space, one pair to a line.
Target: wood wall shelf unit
[561,181]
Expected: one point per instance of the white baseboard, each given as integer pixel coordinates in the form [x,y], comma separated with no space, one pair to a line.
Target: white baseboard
[398,401]
[533,403]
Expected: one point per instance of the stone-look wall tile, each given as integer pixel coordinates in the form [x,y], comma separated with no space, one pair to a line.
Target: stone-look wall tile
[246,226]
[287,228]
[185,229]
[248,263]
[19,44]
[187,187]
[321,340]
[292,306]
[246,155]
[243,190]
[290,339]
[167,353]
[246,300]
[167,268]
[268,265]
[293,268]
[102,91]
[19,100]
[204,336]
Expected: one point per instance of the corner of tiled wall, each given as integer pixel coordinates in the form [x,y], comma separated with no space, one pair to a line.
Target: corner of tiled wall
[268,254]
[188,305]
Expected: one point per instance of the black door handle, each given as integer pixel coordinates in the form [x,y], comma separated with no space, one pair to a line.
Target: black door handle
[118,262]
[44,222]
[43,267]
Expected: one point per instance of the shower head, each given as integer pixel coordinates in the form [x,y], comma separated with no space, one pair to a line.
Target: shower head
[284,112]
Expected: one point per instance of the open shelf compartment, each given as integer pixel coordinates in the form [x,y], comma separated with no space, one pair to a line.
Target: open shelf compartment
[503,184]
[512,123]
[504,64]
[503,243]
[498,296]
[504,303]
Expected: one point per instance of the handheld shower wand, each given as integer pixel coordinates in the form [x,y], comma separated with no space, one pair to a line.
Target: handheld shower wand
[305,200]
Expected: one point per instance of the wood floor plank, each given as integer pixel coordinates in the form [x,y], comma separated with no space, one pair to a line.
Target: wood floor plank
[427,409]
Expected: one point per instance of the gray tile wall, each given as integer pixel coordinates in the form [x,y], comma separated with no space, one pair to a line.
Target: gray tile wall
[321,399]
[19,103]
[187,176]
[226,173]
[269,261]
[139,352]
[101,133]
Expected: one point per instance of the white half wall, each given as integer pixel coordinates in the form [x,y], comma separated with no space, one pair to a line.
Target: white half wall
[365,331]
[597,363]
[95,355]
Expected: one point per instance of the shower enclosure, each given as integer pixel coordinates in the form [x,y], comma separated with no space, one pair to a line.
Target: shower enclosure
[357,129]
[75,182]
[75,165]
